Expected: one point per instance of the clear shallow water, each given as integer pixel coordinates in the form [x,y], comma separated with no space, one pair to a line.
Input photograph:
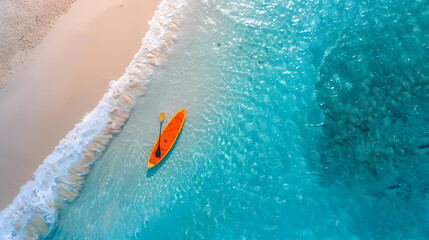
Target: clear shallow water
[254,159]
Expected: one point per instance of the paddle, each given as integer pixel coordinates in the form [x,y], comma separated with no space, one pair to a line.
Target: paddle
[158,151]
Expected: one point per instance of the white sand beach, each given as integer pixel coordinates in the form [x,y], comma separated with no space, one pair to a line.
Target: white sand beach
[62,79]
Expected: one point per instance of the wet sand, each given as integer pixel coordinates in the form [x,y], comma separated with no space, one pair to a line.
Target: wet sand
[89,46]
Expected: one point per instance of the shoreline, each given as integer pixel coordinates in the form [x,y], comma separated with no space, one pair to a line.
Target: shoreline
[57,88]
[58,181]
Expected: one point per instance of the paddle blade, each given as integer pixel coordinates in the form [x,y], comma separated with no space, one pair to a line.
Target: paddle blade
[158,152]
[161,117]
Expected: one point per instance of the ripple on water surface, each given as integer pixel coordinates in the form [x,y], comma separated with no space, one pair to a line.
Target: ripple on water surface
[254,160]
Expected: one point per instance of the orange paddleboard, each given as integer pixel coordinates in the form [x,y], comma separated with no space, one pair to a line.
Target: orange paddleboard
[168,137]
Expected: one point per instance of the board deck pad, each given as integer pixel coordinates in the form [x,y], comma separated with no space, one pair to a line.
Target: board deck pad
[168,137]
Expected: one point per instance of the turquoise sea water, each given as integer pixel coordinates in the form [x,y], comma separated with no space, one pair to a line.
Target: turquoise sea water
[305,120]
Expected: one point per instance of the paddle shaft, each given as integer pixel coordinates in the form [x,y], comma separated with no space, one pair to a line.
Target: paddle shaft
[159,143]
[158,151]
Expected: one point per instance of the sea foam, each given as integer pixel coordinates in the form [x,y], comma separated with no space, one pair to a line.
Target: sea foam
[58,180]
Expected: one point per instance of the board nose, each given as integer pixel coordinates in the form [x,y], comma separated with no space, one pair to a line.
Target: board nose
[149,165]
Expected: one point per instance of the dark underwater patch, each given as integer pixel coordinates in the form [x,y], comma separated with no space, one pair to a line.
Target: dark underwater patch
[374,92]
